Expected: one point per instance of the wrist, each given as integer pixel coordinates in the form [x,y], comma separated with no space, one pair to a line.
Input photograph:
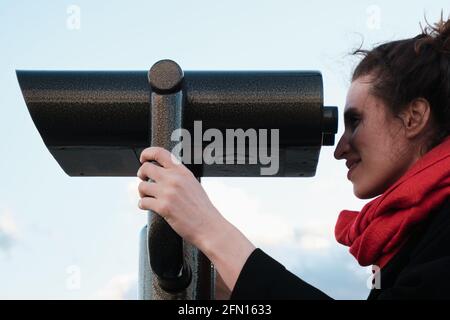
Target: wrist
[214,232]
[227,248]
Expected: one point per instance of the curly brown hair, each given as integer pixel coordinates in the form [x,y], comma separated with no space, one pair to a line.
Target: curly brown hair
[407,69]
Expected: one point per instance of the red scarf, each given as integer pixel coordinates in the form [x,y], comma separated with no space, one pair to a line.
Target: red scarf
[376,234]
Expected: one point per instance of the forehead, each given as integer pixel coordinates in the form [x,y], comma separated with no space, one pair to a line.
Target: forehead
[360,102]
[358,94]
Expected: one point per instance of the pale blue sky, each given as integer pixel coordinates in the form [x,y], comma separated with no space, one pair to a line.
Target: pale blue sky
[50,222]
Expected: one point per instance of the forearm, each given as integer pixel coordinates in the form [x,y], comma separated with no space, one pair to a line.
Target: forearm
[227,248]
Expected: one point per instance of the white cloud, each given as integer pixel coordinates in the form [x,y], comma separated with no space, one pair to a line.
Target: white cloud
[120,287]
[262,227]
[8,231]
[314,242]
[247,214]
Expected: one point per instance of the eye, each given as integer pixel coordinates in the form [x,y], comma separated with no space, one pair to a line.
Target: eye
[353,122]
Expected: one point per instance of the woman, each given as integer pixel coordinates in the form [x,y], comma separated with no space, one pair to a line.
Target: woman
[396,145]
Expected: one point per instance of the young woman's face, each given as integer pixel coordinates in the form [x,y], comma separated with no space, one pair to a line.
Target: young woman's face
[373,143]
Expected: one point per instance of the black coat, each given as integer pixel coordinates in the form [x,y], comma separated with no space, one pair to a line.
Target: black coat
[420,270]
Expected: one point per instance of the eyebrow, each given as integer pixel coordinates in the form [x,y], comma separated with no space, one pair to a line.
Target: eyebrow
[350,112]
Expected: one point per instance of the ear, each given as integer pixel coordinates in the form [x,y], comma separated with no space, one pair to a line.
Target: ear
[416,117]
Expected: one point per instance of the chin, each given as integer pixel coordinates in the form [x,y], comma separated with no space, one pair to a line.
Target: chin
[365,193]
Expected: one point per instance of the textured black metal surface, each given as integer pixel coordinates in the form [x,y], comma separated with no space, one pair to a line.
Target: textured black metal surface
[164,244]
[175,266]
[165,76]
[95,122]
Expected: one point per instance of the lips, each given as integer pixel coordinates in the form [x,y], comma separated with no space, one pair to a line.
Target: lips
[351,166]
[351,163]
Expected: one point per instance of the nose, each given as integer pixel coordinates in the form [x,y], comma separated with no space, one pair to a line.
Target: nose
[342,147]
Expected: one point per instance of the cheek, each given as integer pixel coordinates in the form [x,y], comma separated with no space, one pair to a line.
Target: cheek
[375,174]
[382,161]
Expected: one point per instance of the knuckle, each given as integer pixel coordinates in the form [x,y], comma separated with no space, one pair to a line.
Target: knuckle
[142,204]
[172,180]
[161,150]
[178,183]
[164,207]
[171,194]
[142,187]
[157,151]
[144,154]
[186,172]
[141,170]
[147,169]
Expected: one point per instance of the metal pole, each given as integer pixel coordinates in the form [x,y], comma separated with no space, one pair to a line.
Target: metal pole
[178,270]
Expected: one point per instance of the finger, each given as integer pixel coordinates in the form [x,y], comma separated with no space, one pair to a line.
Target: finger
[150,171]
[148,203]
[148,189]
[158,154]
